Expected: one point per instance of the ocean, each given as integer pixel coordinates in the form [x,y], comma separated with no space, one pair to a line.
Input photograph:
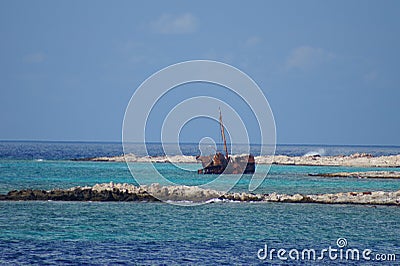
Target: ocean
[147,233]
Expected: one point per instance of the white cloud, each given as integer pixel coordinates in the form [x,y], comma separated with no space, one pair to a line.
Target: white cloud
[371,76]
[168,24]
[306,57]
[35,58]
[252,41]
[222,56]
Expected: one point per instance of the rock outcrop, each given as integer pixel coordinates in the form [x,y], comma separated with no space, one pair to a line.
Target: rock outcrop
[369,174]
[355,160]
[155,192]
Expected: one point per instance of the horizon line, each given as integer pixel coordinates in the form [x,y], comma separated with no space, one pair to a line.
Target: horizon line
[156,142]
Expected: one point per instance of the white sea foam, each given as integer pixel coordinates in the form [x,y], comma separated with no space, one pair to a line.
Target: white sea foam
[320,152]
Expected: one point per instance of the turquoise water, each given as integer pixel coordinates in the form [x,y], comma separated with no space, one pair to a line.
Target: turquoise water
[20,174]
[160,233]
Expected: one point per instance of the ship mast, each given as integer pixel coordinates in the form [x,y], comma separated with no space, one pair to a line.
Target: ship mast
[223,135]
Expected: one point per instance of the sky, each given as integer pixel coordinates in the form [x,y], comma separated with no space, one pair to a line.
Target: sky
[329,69]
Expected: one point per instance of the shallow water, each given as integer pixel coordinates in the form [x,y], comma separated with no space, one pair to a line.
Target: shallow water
[20,174]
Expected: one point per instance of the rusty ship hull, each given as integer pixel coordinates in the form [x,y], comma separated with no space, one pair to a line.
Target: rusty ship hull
[225,164]
[243,164]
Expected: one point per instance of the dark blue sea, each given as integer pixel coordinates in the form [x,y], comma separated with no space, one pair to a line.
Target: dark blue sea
[227,233]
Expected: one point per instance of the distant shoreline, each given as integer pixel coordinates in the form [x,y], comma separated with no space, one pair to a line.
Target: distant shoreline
[354,160]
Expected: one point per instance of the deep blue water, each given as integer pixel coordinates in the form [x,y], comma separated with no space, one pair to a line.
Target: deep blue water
[67,150]
[160,233]
[157,233]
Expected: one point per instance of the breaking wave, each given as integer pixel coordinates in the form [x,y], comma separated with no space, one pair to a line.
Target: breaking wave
[319,152]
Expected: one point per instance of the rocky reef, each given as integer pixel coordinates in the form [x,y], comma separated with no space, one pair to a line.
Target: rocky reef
[155,192]
[369,174]
[354,160]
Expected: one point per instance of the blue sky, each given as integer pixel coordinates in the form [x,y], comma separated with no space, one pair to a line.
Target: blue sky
[330,69]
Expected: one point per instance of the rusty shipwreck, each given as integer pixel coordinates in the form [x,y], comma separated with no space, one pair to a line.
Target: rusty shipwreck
[219,163]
